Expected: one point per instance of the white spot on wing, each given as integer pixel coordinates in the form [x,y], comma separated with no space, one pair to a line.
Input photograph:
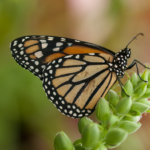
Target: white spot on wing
[70,112]
[49,67]
[80,115]
[63,39]
[51,71]
[31,67]
[43,41]
[14,44]
[69,44]
[36,70]
[44,45]
[38,54]
[22,52]
[74,114]
[68,56]
[60,107]
[60,60]
[59,44]
[50,38]
[57,66]
[36,62]
[56,49]
[77,56]
[91,54]
[77,41]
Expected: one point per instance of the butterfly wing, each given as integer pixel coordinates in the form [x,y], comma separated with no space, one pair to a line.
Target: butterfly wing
[75,83]
[35,52]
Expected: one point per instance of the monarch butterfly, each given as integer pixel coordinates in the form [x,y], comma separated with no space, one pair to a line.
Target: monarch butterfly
[75,74]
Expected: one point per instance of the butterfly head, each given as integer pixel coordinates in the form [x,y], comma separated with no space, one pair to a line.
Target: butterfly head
[127,52]
[121,59]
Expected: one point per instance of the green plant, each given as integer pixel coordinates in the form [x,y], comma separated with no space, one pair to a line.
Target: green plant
[118,117]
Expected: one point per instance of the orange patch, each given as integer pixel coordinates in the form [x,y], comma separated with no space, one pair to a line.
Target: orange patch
[107,57]
[30,42]
[99,93]
[32,49]
[33,56]
[58,81]
[82,99]
[81,50]
[72,62]
[63,89]
[53,56]
[62,71]
[72,94]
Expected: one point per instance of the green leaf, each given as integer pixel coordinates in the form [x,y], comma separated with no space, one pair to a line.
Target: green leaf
[144,101]
[77,142]
[124,105]
[129,126]
[134,79]
[100,146]
[112,98]
[132,118]
[62,142]
[139,107]
[115,137]
[128,88]
[134,113]
[90,135]
[139,91]
[83,122]
[103,111]
[79,146]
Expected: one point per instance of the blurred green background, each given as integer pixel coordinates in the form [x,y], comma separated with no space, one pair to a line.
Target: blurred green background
[28,121]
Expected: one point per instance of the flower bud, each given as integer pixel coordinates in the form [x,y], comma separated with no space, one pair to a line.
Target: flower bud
[116,136]
[82,123]
[139,107]
[144,75]
[103,110]
[144,101]
[128,88]
[100,146]
[79,141]
[147,93]
[129,126]
[139,90]
[112,98]
[62,142]
[134,79]
[134,112]
[90,135]
[113,120]
[124,105]
[79,147]
[132,118]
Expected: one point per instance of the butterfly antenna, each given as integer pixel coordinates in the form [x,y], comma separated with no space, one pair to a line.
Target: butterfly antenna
[134,38]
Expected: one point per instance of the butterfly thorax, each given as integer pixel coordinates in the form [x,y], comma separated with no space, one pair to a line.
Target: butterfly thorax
[119,63]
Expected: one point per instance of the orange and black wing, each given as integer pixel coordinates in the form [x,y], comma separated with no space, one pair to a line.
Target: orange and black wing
[35,52]
[74,83]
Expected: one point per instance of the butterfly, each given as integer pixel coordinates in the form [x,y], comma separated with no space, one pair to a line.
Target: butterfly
[75,74]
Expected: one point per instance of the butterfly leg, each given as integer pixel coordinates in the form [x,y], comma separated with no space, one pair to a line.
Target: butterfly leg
[122,86]
[135,63]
